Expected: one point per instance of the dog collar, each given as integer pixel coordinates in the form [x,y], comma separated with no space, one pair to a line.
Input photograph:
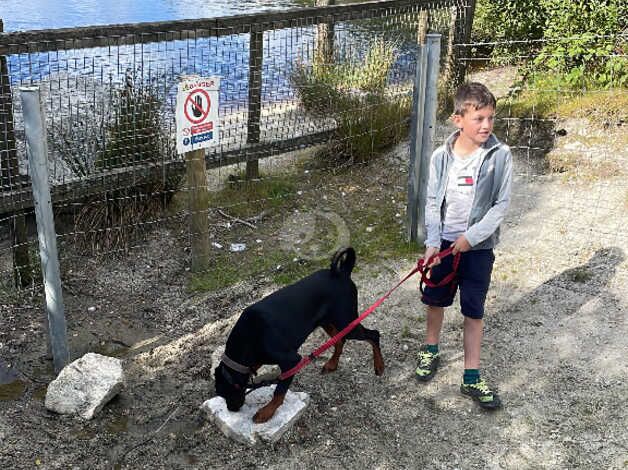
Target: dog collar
[234,365]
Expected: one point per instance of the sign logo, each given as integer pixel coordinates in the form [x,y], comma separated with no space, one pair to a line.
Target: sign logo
[197,106]
[197,113]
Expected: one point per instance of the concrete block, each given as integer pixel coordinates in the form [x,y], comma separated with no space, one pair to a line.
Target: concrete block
[240,426]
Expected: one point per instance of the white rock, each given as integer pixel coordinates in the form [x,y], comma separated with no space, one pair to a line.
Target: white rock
[85,386]
[240,426]
[236,247]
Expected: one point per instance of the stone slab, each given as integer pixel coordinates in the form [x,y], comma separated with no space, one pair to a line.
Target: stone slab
[85,386]
[240,426]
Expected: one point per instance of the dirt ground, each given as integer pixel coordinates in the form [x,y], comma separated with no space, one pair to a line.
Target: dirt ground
[555,345]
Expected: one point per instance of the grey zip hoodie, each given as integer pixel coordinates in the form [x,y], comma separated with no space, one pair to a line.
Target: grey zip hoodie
[490,200]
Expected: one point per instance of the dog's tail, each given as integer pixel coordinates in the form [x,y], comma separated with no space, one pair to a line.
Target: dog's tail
[343,261]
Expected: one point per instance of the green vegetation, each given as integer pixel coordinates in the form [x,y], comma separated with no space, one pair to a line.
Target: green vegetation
[578,43]
[607,106]
[246,198]
[375,230]
[370,116]
[134,135]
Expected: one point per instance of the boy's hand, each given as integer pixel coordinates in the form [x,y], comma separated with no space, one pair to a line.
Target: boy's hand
[460,245]
[429,252]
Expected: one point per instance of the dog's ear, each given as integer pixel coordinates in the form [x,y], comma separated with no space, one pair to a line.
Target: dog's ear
[343,261]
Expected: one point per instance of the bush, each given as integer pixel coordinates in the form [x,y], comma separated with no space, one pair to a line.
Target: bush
[498,21]
[584,44]
[134,135]
[581,40]
[370,118]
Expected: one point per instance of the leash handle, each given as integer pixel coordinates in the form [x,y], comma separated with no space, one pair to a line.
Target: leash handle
[426,269]
[346,330]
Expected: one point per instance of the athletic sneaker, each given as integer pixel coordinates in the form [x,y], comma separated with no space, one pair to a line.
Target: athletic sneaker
[428,364]
[481,393]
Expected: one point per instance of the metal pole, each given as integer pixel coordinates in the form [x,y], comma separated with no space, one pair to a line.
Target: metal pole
[416,139]
[429,123]
[37,148]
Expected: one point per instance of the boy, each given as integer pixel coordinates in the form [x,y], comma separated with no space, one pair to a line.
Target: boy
[467,196]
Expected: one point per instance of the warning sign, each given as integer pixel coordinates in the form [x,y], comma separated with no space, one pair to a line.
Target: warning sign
[197,113]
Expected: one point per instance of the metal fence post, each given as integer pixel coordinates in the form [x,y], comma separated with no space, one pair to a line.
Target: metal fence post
[37,147]
[422,135]
[416,139]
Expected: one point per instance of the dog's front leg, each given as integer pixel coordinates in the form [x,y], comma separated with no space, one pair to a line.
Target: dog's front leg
[267,411]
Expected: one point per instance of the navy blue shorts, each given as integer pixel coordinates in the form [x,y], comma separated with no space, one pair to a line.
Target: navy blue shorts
[474,277]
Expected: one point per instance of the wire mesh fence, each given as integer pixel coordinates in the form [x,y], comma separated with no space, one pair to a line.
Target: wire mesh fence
[338,75]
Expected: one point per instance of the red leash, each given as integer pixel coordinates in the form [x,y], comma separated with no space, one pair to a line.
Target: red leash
[447,279]
[420,267]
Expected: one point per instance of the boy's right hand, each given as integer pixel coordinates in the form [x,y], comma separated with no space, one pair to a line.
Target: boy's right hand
[429,252]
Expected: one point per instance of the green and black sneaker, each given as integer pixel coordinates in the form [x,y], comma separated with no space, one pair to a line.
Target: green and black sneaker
[481,393]
[428,364]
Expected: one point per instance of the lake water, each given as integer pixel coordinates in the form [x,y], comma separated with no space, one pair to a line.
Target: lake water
[43,14]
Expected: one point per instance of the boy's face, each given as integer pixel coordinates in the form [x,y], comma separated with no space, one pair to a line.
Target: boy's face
[476,124]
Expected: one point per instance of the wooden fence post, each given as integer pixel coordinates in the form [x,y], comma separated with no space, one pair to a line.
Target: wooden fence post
[325,37]
[198,207]
[462,35]
[10,178]
[256,59]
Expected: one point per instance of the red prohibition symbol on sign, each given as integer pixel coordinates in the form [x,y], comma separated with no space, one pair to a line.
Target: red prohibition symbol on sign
[196,107]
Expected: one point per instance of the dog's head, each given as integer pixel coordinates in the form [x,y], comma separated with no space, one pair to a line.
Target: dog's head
[230,385]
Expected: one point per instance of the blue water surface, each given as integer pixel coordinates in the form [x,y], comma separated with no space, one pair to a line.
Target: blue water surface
[21,15]
[160,65]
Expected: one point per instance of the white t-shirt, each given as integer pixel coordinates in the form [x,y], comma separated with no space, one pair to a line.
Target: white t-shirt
[459,195]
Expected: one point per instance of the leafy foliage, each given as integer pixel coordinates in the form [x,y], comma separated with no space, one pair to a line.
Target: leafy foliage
[583,44]
[580,42]
[356,95]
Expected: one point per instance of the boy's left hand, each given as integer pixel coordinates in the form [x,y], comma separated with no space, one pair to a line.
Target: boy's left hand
[461,245]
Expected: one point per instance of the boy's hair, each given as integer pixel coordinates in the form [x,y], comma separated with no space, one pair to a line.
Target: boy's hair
[473,95]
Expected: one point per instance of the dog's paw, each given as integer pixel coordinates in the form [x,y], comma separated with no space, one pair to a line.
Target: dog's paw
[379,368]
[263,415]
[328,368]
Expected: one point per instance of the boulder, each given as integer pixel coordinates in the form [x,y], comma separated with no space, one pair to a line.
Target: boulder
[85,386]
[240,426]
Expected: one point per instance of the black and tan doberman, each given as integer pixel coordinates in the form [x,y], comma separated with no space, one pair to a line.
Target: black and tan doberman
[272,330]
